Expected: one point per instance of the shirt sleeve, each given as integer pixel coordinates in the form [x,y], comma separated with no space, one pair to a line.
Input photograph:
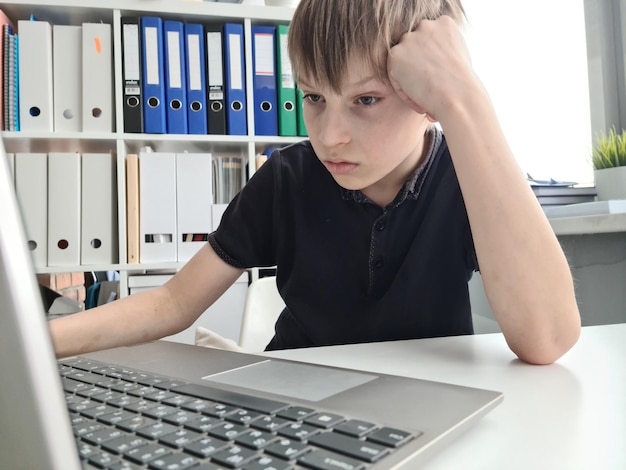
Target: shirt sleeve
[244,238]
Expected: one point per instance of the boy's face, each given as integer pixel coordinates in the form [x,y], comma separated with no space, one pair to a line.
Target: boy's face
[366,136]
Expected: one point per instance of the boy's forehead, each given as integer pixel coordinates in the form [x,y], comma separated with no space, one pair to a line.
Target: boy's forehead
[355,73]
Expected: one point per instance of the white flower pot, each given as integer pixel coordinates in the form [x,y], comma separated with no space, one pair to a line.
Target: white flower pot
[610,183]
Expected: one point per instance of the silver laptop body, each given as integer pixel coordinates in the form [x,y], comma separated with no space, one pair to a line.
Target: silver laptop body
[35,427]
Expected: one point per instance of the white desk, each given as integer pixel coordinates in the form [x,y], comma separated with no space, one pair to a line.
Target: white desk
[566,416]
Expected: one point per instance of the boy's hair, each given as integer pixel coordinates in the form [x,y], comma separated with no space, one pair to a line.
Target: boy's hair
[325,34]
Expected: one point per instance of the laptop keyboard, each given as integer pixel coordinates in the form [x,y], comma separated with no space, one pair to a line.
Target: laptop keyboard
[127,419]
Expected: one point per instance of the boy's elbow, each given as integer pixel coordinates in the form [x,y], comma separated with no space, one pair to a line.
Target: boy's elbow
[546,348]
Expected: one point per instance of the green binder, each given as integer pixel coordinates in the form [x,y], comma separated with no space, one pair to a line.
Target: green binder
[286,87]
[301,127]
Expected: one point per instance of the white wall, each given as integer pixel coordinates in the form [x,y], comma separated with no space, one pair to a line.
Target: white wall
[532,57]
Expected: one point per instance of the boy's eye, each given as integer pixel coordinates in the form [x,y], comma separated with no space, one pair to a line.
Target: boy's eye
[367,100]
[312,98]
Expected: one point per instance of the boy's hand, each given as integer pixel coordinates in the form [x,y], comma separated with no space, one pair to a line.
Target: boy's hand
[430,68]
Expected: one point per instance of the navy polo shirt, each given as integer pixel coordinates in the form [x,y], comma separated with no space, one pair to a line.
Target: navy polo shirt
[348,270]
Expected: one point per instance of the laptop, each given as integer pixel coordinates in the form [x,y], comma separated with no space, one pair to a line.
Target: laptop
[223,409]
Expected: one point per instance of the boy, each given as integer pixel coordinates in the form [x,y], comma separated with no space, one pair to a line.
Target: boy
[378,222]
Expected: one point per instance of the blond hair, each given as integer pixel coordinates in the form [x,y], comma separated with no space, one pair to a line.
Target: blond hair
[325,34]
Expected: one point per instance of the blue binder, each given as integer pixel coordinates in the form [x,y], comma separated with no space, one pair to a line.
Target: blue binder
[236,123]
[175,77]
[196,79]
[264,80]
[153,75]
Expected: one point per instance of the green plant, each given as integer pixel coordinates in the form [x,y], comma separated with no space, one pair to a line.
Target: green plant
[609,150]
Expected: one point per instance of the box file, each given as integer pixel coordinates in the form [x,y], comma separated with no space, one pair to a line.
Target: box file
[285,86]
[10,90]
[67,62]
[175,77]
[97,78]
[194,196]
[157,207]
[64,206]
[99,209]
[217,211]
[236,122]
[264,80]
[215,78]
[152,76]
[31,186]
[196,79]
[132,208]
[131,75]
[4,39]
[35,76]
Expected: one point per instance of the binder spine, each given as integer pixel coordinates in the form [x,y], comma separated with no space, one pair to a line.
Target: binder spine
[264,80]
[236,109]
[152,75]
[216,94]
[196,79]
[175,77]
[131,75]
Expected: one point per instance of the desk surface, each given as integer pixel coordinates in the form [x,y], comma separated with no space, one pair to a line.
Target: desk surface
[569,415]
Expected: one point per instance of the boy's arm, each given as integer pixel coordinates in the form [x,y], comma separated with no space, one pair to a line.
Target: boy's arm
[525,273]
[148,315]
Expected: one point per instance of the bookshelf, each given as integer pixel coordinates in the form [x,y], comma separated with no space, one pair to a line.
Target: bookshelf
[76,12]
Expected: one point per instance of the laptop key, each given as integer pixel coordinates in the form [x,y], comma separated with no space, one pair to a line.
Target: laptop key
[391,437]
[206,446]
[355,427]
[265,462]
[173,461]
[231,398]
[180,438]
[324,420]
[255,439]
[298,431]
[367,451]
[296,413]
[201,423]
[227,431]
[233,456]
[144,454]
[287,448]
[123,444]
[320,459]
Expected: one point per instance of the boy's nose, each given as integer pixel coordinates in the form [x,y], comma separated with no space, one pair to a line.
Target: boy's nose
[334,129]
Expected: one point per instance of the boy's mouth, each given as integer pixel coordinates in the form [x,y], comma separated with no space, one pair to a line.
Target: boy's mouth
[339,167]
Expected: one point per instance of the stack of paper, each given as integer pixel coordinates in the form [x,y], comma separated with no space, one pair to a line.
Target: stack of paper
[586,209]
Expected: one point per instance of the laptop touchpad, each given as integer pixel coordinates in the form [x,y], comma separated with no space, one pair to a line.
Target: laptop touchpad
[295,380]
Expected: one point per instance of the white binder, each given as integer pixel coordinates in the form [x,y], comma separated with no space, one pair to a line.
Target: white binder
[157,207]
[194,196]
[97,82]
[63,209]
[99,237]
[35,76]
[31,185]
[11,160]
[67,77]
[217,211]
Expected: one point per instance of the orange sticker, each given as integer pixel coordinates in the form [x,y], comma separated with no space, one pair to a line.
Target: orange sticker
[98,45]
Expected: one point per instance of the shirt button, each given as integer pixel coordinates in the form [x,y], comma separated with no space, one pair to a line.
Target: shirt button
[380,225]
[378,263]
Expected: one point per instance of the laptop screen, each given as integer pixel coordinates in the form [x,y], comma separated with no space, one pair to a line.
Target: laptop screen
[35,431]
